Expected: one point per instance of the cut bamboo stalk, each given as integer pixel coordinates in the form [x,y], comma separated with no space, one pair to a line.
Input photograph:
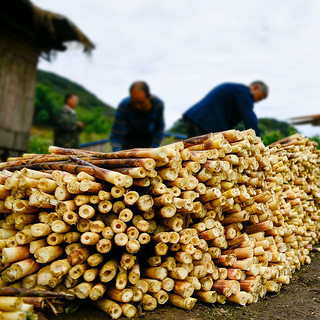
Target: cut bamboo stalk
[206,296]
[90,238]
[60,226]
[25,218]
[86,211]
[104,246]
[77,270]
[158,273]
[206,283]
[82,290]
[36,244]
[78,255]
[144,238]
[180,302]
[121,279]
[124,295]
[145,203]
[110,307]
[40,230]
[23,206]
[241,298]
[81,199]
[161,296]
[234,274]
[97,226]
[24,236]
[8,304]
[97,291]
[134,274]
[48,253]
[5,234]
[72,236]
[104,206]
[68,205]
[59,268]
[118,206]
[183,288]
[178,273]
[134,172]
[95,259]
[262,226]
[246,252]
[14,254]
[148,303]
[19,270]
[225,260]
[108,270]
[83,225]
[132,246]
[167,284]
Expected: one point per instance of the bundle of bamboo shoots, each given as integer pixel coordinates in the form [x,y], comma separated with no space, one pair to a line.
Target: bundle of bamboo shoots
[214,218]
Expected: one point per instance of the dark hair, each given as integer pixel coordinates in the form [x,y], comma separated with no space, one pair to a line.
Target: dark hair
[262,85]
[67,96]
[141,85]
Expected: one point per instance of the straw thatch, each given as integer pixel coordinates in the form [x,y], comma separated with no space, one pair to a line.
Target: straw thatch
[313,119]
[27,32]
[47,30]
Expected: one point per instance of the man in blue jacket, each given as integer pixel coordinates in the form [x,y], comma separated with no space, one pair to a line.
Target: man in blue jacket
[224,107]
[139,120]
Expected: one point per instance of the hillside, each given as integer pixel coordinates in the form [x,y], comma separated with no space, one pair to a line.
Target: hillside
[62,86]
[96,115]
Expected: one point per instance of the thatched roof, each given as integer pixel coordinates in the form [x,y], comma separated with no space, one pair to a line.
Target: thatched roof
[47,30]
[313,119]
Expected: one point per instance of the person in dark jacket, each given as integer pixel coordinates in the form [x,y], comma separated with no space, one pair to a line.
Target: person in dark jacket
[224,107]
[139,121]
[66,124]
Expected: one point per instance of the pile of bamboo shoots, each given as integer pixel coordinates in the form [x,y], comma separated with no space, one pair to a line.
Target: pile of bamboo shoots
[214,218]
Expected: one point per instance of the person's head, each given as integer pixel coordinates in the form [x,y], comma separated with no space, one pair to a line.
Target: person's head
[140,96]
[71,100]
[259,90]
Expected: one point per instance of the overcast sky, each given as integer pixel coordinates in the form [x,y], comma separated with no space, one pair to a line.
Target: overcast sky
[183,48]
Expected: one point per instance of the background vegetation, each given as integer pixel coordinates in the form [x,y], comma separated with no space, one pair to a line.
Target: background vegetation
[98,116]
[50,91]
[272,130]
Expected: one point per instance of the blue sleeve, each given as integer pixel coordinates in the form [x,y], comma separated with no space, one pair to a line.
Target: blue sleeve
[245,108]
[119,128]
[159,127]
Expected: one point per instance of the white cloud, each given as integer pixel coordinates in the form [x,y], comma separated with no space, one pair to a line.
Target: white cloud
[184,47]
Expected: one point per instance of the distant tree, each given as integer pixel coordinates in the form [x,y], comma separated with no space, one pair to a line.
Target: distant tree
[47,104]
[178,127]
[316,139]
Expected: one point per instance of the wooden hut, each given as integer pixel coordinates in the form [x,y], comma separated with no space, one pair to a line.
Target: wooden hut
[26,33]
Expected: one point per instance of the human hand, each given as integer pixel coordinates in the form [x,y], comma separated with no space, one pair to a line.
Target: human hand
[80,125]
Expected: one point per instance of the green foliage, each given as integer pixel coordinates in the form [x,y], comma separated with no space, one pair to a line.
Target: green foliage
[273,130]
[39,144]
[63,86]
[317,140]
[178,127]
[47,104]
[50,91]
[94,120]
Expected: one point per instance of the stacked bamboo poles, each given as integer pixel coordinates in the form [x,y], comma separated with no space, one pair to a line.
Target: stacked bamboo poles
[213,218]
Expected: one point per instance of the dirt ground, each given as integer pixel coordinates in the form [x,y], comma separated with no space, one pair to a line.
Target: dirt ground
[297,301]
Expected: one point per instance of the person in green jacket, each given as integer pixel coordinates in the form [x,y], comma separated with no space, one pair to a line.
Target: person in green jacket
[66,124]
